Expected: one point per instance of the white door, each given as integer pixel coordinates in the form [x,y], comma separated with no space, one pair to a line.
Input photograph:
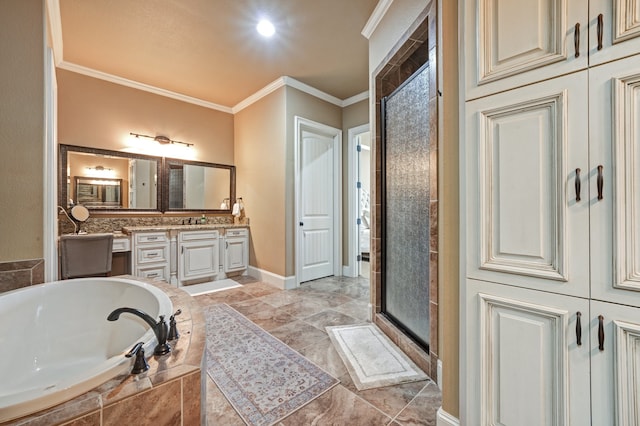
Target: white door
[318,200]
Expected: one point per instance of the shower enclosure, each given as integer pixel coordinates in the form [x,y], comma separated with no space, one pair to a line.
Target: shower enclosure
[406,215]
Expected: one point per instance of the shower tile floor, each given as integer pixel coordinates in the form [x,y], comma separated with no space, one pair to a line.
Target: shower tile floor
[298,318]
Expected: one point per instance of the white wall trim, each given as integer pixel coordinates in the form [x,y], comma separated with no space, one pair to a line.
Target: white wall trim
[376,17]
[292,82]
[271,87]
[353,245]
[50,158]
[140,86]
[55,25]
[356,98]
[275,280]
[446,419]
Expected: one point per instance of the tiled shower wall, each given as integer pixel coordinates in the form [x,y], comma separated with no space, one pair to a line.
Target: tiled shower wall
[416,48]
[21,273]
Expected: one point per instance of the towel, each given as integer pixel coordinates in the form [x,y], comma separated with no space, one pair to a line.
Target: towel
[236,210]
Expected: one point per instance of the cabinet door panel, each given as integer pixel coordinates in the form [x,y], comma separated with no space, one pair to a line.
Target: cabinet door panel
[236,254]
[615,145]
[620,29]
[518,42]
[524,220]
[616,369]
[199,259]
[524,366]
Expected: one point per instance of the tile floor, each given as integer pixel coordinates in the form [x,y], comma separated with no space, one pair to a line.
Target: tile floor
[298,317]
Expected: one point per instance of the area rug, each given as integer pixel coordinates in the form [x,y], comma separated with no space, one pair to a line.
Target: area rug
[263,379]
[210,287]
[371,358]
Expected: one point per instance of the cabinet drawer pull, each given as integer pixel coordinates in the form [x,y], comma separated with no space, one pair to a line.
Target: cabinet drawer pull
[601,332]
[155,274]
[576,39]
[152,254]
[152,238]
[600,30]
[578,185]
[579,328]
[600,182]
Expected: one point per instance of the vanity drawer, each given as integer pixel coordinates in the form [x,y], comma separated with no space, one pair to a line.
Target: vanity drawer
[121,244]
[198,235]
[153,272]
[242,232]
[151,237]
[152,254]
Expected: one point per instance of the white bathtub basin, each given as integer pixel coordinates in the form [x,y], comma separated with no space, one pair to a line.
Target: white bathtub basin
[56,342]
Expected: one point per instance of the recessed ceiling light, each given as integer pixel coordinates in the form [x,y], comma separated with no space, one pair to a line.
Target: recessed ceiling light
[265,28]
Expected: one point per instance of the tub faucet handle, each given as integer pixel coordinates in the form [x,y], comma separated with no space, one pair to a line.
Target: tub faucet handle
[140,364]
[173,326]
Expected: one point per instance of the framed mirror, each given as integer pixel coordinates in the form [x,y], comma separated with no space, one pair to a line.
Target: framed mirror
[198,186]
[108,180]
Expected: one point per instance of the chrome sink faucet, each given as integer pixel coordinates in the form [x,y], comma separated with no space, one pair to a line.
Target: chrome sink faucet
[160,328]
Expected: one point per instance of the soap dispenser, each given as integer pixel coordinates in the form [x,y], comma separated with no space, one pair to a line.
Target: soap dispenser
[203,220]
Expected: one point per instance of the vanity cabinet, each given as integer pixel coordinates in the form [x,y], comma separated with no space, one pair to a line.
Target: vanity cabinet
[236,250]
[150,255]
[198,255]
[551,199]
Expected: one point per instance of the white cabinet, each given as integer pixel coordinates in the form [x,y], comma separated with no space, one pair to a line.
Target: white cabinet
[198,255]
[526,366]
[150,257]
[236,250]
[552,213]
[519,42]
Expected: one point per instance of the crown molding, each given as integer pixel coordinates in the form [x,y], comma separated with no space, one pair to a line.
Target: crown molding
[271,87]
[355,99]
[141,86]
[292,82]
[376,17]
[55,27]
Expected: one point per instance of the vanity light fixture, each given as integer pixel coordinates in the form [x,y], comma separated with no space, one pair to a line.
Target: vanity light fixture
[160,139]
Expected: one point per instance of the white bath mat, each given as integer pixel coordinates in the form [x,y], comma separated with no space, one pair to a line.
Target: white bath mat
[210,287]
[371,358]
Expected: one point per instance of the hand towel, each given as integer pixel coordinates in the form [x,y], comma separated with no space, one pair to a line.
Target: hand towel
[236,210]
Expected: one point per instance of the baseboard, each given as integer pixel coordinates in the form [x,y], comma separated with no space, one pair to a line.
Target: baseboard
[446,419]
[278,281]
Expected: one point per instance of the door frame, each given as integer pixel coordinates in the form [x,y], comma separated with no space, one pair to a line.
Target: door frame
[353,267]
[303,124]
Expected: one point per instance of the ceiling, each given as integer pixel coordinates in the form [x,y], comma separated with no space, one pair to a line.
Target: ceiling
[210,50]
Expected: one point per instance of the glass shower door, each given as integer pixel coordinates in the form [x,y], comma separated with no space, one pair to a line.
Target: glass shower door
[405,206]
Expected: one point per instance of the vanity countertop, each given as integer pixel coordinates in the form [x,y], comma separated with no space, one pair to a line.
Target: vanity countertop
[196,227]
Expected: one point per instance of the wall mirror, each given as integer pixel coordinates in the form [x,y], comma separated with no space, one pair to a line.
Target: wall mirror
[108,180]
[193,185]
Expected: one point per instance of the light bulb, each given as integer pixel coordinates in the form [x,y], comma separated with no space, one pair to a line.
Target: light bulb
[265,28]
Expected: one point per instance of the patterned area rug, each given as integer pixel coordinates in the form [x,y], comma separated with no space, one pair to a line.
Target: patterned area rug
[262,378]
[371,358]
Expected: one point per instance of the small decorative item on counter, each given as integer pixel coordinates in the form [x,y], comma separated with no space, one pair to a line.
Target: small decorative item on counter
[203,220]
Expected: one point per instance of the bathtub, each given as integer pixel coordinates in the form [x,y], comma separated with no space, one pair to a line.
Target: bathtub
[57,343]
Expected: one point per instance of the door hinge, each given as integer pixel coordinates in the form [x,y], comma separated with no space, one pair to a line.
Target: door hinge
[359,185]
[358,221]
[359,148]
[358,258]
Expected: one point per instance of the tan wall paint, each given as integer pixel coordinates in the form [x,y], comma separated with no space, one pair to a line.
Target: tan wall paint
[352,116]
[303,105]
[260,147]
[99,114]
[395,23]
[449,209]
[22,44]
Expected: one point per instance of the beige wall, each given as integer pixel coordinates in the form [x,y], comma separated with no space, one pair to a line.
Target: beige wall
[260,148]
[99,114]
[395,23]
[22,44]
[303,105]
